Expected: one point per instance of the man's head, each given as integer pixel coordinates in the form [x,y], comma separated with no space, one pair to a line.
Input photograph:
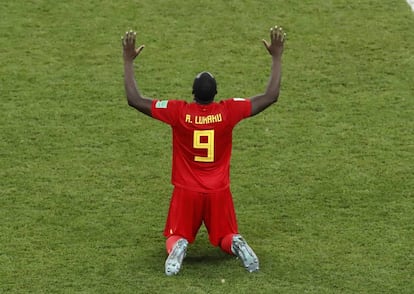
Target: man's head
[204,88]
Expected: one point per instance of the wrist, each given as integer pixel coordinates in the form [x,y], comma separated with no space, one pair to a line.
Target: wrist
[128,63]
[277,57]
[128,60]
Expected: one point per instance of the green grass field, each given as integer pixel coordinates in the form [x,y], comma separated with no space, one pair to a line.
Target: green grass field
[323,181]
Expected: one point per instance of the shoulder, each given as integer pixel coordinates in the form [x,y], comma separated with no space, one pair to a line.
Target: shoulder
[168,110]
[165,104]
[234,100]
[238,108]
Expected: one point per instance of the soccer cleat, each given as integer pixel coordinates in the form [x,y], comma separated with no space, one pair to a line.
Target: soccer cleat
[243,251]
[175,258]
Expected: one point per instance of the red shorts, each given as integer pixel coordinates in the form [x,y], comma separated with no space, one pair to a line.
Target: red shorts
[189,209]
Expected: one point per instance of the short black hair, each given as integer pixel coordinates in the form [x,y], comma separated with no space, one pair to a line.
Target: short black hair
[204,87]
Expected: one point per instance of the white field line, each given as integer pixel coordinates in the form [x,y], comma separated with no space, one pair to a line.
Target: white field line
[411,3]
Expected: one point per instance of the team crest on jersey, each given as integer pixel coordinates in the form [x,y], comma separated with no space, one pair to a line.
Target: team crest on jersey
[161,104]
[239,99]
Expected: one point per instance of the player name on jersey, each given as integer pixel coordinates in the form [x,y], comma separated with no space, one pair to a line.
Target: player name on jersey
[202,120]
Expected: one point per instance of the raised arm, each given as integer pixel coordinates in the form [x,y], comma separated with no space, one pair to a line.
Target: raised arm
[134,97]
[275,48]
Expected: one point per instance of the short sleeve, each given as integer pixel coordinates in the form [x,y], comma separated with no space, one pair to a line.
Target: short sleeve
[238,109]
[166,110]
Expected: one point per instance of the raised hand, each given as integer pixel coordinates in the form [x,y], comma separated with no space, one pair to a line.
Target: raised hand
[128,44]
[277,40]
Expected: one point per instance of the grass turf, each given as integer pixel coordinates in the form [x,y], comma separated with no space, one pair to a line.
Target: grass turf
[323,181]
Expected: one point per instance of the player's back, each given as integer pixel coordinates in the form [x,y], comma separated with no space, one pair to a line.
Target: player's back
[202,141]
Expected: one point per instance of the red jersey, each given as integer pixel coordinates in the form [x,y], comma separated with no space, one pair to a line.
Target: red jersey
[202,140]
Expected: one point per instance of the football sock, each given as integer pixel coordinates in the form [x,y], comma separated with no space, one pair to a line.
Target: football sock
[171,242]
[226,244]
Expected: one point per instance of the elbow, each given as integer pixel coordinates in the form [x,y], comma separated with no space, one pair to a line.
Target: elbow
[274,98]
[272,95]
[131,102]
[276,95]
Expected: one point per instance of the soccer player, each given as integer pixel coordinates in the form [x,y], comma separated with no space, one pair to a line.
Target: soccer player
[202,143]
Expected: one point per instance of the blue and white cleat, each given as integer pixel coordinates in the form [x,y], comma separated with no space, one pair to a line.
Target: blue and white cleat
[175,258]
[243,251]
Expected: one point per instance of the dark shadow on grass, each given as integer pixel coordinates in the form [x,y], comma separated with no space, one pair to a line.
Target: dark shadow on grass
[153,260]
[149,257]
[208,258]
